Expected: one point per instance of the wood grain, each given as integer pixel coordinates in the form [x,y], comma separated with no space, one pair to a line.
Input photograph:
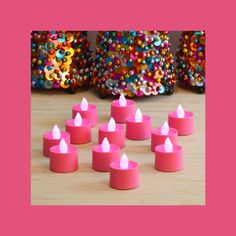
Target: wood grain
[88,187]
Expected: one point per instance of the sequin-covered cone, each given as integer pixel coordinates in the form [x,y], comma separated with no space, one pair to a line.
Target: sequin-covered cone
[191,59]
[135,63]
[60,59]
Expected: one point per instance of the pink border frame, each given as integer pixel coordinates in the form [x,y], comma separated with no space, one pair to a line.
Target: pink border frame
[18,217]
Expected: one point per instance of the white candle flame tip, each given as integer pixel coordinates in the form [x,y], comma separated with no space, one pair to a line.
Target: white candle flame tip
[63,147]
[165,128]
[180,112]
[124,162]
[138,116]
[168,146]
[111,125]
[105,145]
[122,100]
[56,133]
[78,120]
[84,104]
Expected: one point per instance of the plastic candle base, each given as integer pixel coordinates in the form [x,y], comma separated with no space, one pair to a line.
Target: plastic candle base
[119,113]
[158,138]
[49,141]
[124,178]
[168,161]
[90,114]
[115,137]
[138,130]
[79,134]
[185,125]
[101,161]
[63,162]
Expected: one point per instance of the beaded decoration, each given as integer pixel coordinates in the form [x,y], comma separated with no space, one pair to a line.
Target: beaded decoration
[60,59]
[133,63]
[191,59]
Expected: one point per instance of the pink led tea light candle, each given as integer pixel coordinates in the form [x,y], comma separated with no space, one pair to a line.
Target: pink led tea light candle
[182,120]
[115,133]
[168,157]
[159,135]
[124,174]
[138,127]
[63,158]
[86,110]
[104,154]
[79,130]
[52,138]
[122,108]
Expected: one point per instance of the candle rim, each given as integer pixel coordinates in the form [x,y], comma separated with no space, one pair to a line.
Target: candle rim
[104,127]
[172,131]
[113,148]
[78,108]
[132,119]
[131,165]
[161,149]
[187,114]
[117,104]
[48,135]
[56,149]
[85,122]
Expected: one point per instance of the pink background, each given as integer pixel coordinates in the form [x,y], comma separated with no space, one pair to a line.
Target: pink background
[18,217]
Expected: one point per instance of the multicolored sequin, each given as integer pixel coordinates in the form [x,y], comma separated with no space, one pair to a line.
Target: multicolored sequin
[60,59]
[191,59]
[135,63]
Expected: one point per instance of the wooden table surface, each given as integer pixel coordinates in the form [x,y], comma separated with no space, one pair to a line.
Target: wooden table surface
[88,187]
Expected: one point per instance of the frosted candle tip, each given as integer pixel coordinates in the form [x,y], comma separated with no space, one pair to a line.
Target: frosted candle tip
[180,112]
[56,133]
[84,104]
[78,119]
[105,145]
[165,128]
[124,162]
[138,115]
[63,147]
[122,100]
[168,146]
[111,125]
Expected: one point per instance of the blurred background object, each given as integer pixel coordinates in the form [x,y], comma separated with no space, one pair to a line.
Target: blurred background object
[133,63]
[190,60]
[60,59]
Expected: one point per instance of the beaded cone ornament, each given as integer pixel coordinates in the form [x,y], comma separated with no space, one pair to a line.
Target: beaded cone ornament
[133,63]
[60,59]
[191,59]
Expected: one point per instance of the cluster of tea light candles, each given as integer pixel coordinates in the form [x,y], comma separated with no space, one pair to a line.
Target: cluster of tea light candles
[124,173]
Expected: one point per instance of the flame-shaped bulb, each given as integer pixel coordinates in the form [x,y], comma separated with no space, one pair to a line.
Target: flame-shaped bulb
[138,116]
[168,146]
[111,125]
[56,133]
[180,112]
[63,147]
[122,100]
[78,120]
[124,162]
[84,104]
[105,145]
[165,128]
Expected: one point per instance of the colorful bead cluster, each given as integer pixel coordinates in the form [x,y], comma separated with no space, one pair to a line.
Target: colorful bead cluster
[191,59]
[134,63]
[60,59]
